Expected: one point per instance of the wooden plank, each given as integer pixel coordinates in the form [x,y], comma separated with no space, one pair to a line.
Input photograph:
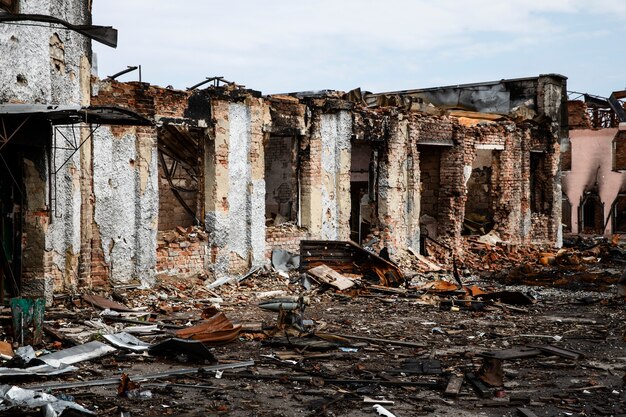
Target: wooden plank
[105,303]
[525,412]
[479,386]
[384,341]
[432,266]
[390,290]
[454,386]
[513,353]
[331,277]
[553,350]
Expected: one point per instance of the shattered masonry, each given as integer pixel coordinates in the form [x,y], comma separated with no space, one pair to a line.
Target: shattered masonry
[224,175]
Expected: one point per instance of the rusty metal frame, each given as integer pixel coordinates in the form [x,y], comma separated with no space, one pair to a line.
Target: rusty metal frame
[4,137]
[73,144]
[168,171]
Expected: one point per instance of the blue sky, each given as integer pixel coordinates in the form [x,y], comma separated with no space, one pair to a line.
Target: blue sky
[282,46]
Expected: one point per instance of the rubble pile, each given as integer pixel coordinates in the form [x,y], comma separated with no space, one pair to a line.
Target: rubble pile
[336,331]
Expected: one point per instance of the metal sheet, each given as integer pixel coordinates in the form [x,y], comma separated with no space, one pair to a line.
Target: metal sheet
[160,375]
[105,303]
[104,115]
[81,353]
[125,340]
[41,370]
[16,397]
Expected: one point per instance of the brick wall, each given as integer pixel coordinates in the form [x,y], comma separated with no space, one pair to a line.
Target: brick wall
[577,115]
[181,251]
[430,166]
[286,236]
[619,151]
[281,187]
[171,211]
[153,103]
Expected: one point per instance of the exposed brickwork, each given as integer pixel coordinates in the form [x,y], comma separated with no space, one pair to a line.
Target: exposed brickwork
[578,116]
[285,236]
[171,211]
[181,253]
[281,181]
[619,151]
[430,168]
[310,155]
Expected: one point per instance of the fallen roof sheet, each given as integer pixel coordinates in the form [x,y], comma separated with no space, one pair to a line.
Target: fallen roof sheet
[62,115]
[80,353]
[105,303]
[45,404]
[125,340]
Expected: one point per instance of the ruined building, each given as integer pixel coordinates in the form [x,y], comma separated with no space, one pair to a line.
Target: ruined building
[594,166]
[125,180]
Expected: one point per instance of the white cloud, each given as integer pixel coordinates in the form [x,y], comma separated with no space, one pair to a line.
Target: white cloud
[277,42]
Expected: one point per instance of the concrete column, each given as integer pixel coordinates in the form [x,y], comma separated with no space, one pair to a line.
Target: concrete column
[62,242]
[394,198]
[216,188]
[235,186]
[335,131]
[310,178]
[260,118]
[147,204]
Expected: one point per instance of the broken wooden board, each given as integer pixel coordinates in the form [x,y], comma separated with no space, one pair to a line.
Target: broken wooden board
[432,266]
[105,303]
[331,336]
[553,350]
[348,257]
[388,290]
[513,353]
[479,386]
[509,297]
[454,386]
[525,412]
[331,277]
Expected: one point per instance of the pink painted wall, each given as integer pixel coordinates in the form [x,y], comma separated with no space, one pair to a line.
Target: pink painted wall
[592,149]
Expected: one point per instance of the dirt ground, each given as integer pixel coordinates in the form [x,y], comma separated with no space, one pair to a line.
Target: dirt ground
[288,381]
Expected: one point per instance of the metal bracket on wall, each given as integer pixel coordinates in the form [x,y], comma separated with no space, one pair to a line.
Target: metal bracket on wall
[63,143]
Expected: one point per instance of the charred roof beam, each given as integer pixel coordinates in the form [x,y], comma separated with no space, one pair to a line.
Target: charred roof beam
[103,34]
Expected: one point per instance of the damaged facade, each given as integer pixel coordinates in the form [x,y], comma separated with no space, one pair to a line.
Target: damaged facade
[594,162]
[226,175]
[45,117]
[220,177]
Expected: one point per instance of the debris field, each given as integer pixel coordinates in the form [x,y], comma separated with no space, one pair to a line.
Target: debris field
[338,332]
